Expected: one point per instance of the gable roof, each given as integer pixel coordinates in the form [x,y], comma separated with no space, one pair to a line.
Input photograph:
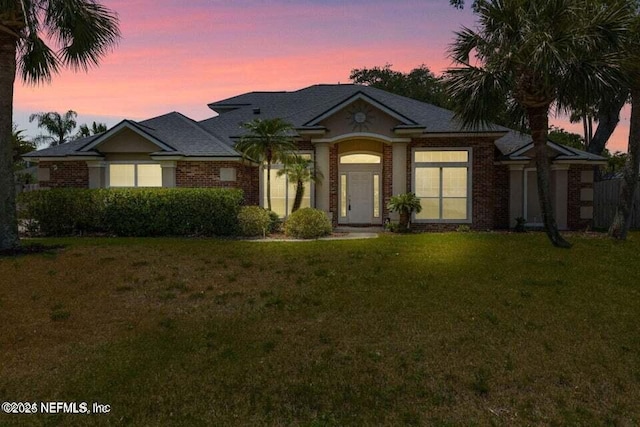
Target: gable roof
[173,133]
[143,131]
[515,145]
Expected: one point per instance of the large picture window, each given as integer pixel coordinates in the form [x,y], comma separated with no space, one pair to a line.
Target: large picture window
[442,181]
[283,192]
[135,175]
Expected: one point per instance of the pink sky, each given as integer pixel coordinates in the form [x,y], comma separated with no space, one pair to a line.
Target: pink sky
[179,56]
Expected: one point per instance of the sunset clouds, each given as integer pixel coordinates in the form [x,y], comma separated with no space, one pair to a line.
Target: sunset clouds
[180,56]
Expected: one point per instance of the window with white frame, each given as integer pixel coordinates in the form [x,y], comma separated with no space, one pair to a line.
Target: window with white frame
[135,175]
[283,192]
[442,181]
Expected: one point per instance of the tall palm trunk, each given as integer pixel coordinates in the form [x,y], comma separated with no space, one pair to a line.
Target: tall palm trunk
[622,220]
[297,201]
[539,123]
[269,158]
[268,185]
[8,220]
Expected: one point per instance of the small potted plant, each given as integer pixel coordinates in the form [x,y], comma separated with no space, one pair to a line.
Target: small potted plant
[405,204]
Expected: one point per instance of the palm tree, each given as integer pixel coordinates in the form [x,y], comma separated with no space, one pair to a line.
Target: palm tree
[405,204]
[539,54]
[84,130]
[631,172]
[37,38]
[59,127]
[300,170]
[268,141]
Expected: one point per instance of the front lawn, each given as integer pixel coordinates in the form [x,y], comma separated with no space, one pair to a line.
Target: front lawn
[431,329]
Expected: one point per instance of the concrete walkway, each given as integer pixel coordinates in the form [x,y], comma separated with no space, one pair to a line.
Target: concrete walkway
[340,233]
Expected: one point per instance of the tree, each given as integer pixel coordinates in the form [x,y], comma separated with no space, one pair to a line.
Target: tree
[59,127]
[84,130]
[608,117]
[420,83]
[540,54]
[268,141]
[570,139]
[615,161]
[605,111]
[20,146]
[37,38]
[300,170]
[631,172]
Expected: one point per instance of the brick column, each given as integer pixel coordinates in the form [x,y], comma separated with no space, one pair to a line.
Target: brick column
[323,187]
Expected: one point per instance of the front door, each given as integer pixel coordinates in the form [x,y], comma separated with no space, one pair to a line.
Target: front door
[360,197]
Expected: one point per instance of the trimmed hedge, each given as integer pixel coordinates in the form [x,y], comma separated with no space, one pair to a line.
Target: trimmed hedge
[307,223]
[134,212]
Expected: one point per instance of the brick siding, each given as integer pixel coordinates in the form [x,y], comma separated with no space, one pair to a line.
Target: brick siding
[65,174]
[333,183]
[490,186]
[207,174]
[387,178]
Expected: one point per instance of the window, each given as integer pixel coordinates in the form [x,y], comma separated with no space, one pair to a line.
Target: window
[343,195]
[135,175]
[376,195]
[360,159]
[442,180]
[283,192]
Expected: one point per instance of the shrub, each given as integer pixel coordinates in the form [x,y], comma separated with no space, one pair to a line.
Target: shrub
[405,204]
[307,223]
[391,227]
[463,229]
[61,212]
[276,223]
[134,212]
[254,221]
[521,225]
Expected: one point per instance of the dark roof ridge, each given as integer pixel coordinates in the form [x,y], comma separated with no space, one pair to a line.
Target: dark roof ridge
[206,132]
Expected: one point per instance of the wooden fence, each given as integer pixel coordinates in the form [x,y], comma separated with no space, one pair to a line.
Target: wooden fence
[605,201]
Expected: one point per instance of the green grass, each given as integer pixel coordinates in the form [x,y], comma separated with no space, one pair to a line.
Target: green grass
[431,329]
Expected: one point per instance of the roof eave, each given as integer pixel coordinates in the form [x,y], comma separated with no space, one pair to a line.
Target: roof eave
[66,158]
[488,134]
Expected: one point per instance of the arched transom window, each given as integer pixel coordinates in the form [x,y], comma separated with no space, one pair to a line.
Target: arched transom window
[360,158]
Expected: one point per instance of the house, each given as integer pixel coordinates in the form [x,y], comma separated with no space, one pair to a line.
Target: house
[369,145]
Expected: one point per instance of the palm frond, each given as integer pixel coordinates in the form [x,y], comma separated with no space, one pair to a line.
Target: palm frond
[36,61]
[478,95]
[53,33]
[466,41]
[84,29]
[268,140]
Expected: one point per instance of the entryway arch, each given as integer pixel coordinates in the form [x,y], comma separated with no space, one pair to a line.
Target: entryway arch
[360,182]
